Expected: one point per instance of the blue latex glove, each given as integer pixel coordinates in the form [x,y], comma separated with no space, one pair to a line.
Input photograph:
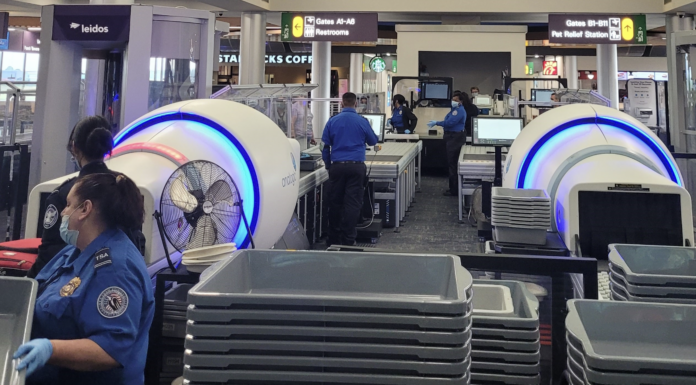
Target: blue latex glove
[389,122]
[34,354]
[407,131]
[432,123]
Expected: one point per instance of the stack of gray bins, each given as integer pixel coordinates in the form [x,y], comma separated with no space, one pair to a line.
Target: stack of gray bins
[267,317]
[630,343]
[520,216]
[663,274]
[174,330]
[506,338]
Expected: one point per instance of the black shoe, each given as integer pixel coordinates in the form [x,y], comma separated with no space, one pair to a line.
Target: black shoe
[447,193]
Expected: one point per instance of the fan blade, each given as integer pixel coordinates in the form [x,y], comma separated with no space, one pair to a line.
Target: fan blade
[181,197]
[193,174]
[219,191]
[204,234]
[226,218]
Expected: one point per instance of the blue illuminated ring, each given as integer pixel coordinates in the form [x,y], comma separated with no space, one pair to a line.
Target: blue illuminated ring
[664,157]
[177,116]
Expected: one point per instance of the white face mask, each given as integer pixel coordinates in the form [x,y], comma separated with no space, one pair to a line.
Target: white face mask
[474,94]
[455,104]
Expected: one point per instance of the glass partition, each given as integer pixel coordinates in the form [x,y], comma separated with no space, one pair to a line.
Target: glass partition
[17,108]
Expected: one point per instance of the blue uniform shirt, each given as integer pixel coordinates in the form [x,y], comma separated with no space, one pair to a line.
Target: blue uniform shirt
[113,306]
[397,119]
[345,136]
[455,120]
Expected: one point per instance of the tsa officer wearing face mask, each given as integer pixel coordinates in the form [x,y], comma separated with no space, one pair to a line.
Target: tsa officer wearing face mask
[90,141]
[455,138]
[95,304]
[403,120]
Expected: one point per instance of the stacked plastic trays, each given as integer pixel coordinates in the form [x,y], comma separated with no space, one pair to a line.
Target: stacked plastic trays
[629,343]
[506,337]
[267,316]
[653,273]
[520,216]
[17,299]
[174,331]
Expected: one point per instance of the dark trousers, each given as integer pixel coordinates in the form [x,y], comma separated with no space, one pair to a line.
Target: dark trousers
[454,142]
[346,200]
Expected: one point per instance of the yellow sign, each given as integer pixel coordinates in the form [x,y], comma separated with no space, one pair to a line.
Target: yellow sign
[297,26]
[70,287]
[627,29]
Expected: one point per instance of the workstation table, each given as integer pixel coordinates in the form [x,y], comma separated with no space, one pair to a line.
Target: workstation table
[476,165]
[399,165]
[311,203]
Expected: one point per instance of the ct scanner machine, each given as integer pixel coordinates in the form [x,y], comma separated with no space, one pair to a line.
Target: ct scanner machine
[261,160]
[610,179]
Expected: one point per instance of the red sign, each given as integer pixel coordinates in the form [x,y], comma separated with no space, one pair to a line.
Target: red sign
[550,68]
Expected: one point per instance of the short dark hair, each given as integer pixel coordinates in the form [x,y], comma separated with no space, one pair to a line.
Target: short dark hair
[401,99]
[116,198]
[459,96]
[92,136]
[475,88]
[349,99]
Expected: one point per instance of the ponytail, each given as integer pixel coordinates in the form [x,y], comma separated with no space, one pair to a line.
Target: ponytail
[92,137]
[117,199]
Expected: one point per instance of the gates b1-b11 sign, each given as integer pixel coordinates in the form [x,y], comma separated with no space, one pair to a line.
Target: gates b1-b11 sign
[597,29]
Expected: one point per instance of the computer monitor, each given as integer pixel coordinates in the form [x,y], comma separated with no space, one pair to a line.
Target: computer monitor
[377,122]
[498,131]
[541,95]
[483,101]
[435,91]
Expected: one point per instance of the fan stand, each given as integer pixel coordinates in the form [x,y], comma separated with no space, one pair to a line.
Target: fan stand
[246,223]
[160,226]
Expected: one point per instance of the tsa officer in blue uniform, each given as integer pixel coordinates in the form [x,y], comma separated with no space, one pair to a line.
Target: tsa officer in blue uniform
[90,141]
[344,138]
[403,120]
[95,303]
[455,138]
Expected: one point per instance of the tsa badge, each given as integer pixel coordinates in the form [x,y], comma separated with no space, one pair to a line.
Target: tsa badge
[454,113]
[70,287]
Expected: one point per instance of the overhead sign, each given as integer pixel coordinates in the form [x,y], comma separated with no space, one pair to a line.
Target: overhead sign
[303,58]
[597,29]
[377,64]
[550,67]
[329,27]
[529,68]
[91,22]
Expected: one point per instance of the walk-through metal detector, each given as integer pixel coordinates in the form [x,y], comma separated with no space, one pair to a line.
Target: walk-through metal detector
[138,58]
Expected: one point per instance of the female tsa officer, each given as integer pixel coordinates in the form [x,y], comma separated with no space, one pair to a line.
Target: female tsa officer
[90,141]
[95,303]
[455,138]
[403,120]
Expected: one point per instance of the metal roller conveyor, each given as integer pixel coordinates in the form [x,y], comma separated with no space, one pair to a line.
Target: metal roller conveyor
[476,165]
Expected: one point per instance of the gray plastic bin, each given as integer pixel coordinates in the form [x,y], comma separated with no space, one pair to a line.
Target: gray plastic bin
[397,337]
[174,326]
[521,358]
[506,334]
[16,316]
[383,321]
[503,379]
[620,289]
[655,265]
[395,352]
[505,368]
[223,376]
[635,337]
[518,235]
[329,364]
[652,290]
[502,345]
[525,305]
[401,283]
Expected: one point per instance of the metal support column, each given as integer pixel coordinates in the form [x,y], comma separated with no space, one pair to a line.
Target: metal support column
[607,73]
[571,71]
[356,73]
[675,101]
[321,75]
[252,48]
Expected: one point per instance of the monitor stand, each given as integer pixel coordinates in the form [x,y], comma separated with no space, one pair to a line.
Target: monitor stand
[498,179]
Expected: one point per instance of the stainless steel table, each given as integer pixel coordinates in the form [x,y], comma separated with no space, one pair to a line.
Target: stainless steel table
[476,165]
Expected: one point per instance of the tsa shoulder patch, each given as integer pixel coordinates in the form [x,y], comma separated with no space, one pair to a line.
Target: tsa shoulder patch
[102,258]
[455,112]
[112,302]
[51,217]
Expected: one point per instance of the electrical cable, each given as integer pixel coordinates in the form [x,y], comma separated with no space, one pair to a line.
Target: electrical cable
[246,224]
[372,207]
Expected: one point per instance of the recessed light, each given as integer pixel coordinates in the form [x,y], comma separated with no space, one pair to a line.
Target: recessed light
[11,29]
[536,56]
[34,28]
[664,38]
[388,54]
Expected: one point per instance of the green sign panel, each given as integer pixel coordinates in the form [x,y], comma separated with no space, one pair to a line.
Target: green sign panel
[377,64]
[394,65]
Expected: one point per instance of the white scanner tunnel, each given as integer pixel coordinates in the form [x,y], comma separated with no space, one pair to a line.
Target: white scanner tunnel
[250,147]
[609,177]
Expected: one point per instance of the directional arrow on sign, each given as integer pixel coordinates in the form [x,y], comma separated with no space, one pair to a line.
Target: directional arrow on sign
[628,28]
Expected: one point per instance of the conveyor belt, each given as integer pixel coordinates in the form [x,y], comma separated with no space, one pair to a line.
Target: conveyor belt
[477,162]
[311,179]
[388,163]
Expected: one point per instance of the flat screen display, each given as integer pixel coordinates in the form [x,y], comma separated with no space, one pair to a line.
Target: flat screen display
[435,91]
[377,123]
[482,101]
[495,131]
[542,95]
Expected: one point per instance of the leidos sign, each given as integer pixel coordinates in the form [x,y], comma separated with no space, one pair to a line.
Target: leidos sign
[91,22]
[597,29]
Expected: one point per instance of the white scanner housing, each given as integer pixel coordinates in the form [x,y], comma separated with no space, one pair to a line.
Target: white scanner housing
[610,179]
[261,160]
